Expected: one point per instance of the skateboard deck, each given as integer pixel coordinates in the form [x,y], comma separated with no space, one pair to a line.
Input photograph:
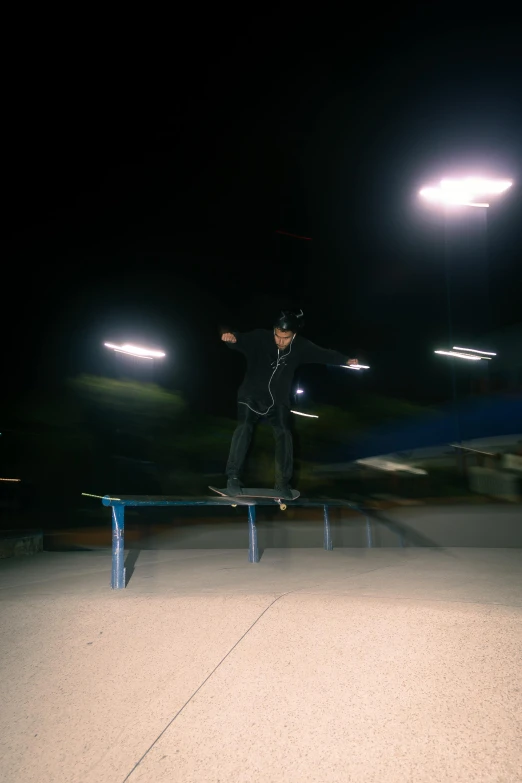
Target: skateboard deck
[256,492]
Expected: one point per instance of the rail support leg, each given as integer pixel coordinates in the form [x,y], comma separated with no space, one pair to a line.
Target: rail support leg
[328,543]
[369,534]
[118,551]
[253,552]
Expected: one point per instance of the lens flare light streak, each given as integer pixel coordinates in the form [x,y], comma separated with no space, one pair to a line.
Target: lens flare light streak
[394,467]
[465,191]
[130,353]
[473,350]
[136,350]
[308,415]
[379,463]
[460,355]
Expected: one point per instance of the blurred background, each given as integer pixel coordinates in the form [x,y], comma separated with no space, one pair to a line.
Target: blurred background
[159,203]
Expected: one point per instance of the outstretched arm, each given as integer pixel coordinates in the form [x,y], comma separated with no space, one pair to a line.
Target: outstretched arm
[238,341]
[313,354]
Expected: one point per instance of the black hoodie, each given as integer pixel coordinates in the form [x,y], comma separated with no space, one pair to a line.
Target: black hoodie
[269,366]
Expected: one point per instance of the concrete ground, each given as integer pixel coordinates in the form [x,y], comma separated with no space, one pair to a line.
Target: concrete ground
[364,665]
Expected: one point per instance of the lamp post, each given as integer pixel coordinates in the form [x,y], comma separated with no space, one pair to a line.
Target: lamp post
[454,195]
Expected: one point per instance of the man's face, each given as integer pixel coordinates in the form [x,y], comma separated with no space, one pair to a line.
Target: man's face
[282,339]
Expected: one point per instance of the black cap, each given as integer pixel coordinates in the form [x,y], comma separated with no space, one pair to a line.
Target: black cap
[289,321]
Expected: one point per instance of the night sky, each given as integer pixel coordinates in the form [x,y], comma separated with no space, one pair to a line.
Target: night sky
[146,180]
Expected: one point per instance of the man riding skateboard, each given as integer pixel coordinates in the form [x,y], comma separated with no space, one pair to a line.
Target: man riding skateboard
[272,358]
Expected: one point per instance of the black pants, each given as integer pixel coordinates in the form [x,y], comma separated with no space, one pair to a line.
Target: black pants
[279,419]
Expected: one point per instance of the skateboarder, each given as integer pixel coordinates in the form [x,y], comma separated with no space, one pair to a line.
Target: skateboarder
[272,358]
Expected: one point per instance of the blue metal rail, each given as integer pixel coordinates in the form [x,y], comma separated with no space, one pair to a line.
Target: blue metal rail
[118,506]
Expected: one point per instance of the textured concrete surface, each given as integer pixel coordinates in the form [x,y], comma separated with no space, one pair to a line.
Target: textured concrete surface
[352,665]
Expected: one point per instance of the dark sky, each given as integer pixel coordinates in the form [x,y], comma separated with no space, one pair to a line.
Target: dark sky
[147,170]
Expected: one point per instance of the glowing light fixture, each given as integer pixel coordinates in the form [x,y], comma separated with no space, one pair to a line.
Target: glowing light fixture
[459,355]
[473,350]
[136,350]
[466,191]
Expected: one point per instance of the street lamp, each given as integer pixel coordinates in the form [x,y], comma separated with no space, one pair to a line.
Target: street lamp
[452,193]
[132,355]
[457,355]
[465,191]
[136,350]
[471,354]
[300,413]
[483,354]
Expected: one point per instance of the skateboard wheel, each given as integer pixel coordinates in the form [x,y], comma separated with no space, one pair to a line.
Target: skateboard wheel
[283,506]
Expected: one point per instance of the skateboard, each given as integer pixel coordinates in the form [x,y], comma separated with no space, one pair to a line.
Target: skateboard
[257,492]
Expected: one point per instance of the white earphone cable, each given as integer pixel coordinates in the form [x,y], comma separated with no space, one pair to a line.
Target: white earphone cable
[279,357]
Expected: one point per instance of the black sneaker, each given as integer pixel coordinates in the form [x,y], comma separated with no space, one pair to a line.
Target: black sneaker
[233,485]
[284,491]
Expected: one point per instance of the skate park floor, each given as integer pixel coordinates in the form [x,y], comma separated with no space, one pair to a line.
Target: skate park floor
[367,665]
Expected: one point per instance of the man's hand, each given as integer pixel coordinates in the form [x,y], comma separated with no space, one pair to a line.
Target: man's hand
[351,362]
[228,337]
